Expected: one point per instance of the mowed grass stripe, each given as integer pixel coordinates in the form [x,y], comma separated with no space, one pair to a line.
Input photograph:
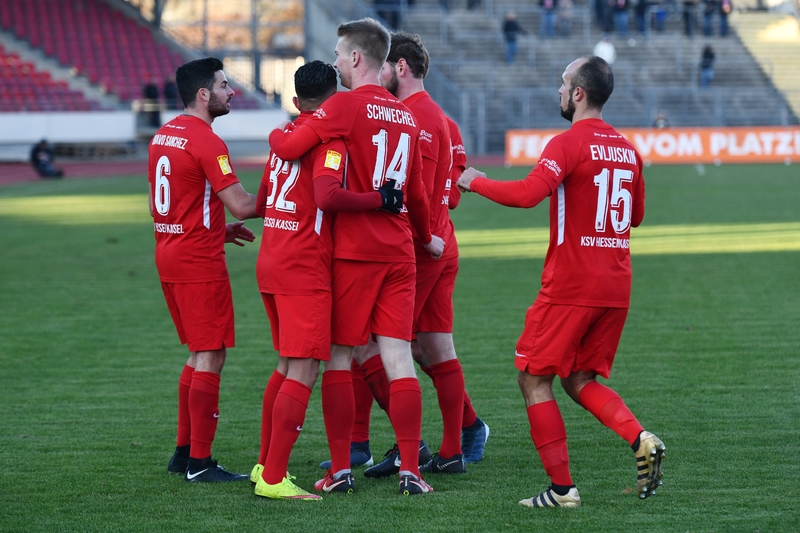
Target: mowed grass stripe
[646,240]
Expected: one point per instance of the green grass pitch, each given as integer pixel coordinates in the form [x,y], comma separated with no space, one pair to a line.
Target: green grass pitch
[709,361]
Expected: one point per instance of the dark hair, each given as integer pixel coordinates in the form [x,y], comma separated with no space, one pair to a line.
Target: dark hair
[368,37]
[596,79]
[314,80]
[195,75]
[409,47]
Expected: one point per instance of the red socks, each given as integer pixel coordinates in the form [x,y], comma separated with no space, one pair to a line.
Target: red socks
[375,376]
[267,407]
[469,414]
[288,415]
[406,416]
[550,438]
[364,399]
[204,412]
[338,411]
[610,410]
[448,378]
[184,418]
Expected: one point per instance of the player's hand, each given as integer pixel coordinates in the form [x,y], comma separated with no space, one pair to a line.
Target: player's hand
[464,182]
[235,231]
[435,247]
[392,199]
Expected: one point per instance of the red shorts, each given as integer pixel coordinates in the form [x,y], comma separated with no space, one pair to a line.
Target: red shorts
[371,297]
[202,313]
[561,339]
[301,324]
[433,302]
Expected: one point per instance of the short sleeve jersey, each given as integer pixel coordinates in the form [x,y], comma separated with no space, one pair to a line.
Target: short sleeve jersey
[296,247]
[595,176]
[188,165]
[381,136]
[435,149]
[459,164]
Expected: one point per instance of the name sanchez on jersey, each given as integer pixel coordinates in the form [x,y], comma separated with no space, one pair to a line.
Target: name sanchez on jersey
[279,223]
[615,154]
[172,141]
[390,114]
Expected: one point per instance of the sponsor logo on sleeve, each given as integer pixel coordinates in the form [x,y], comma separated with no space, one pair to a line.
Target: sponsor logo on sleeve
[333,160]
[224,164]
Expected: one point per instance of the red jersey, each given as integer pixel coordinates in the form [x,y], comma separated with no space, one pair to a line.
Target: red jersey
[435,149]
[296,248]
[381,136]
[459,164]
[597,194]
[188,165]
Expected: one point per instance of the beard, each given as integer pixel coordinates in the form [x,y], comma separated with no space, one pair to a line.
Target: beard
[393,84]
[569,112]
[216,108]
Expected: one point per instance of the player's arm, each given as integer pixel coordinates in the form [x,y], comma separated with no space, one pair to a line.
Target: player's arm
[291,144]
[638,202]
[263,193]
[419,212]
[330,196]
[520,193]
[454,195]
[239,202]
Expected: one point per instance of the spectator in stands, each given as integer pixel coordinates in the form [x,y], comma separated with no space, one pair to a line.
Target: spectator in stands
[472,4]
[621,17]
[171,97]
[707,66]
[640,12]
[511,31]
[549,16]
[42,160]
[689,17]
[712,9]
[564,22]
[661,121]
[151,105]
[389,10]
[605,49]
[725,8]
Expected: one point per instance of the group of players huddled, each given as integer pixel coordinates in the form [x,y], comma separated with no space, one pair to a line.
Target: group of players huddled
[358,263]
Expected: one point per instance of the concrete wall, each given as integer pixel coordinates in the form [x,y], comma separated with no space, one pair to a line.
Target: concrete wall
[19,131]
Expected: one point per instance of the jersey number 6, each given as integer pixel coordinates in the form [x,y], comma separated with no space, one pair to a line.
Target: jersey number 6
[161,194]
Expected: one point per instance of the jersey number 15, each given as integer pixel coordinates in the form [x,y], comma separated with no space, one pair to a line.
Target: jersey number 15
[620,200]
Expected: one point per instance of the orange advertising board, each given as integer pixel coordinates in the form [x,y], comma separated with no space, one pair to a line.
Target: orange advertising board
[680,145]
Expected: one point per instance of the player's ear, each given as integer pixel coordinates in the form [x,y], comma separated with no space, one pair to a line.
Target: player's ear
[296,103]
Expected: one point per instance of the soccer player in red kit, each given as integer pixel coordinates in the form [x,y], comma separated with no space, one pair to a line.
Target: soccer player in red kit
[403,74]
[296,199]
[373,266]
[593,176]
[191,181]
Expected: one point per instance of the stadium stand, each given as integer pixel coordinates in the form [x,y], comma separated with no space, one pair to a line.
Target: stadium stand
[656,72]
[111,50]
[25,88]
